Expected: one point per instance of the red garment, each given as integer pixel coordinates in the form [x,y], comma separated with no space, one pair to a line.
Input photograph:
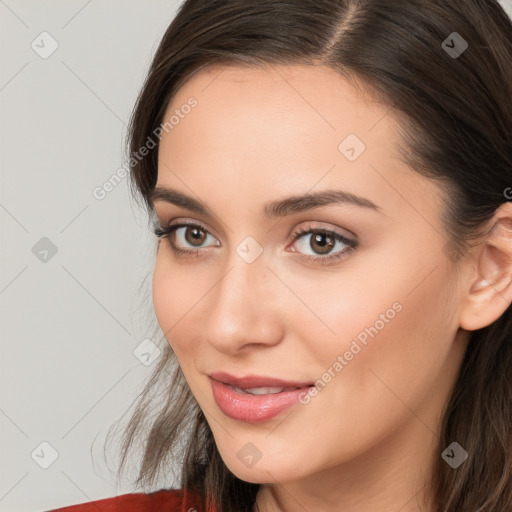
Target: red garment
[165,500]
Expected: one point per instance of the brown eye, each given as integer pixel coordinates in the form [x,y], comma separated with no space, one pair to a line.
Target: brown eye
[194,235]
[322,243]
[189,237]
[322,246]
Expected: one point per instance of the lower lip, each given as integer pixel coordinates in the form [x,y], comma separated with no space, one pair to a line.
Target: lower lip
[253,408]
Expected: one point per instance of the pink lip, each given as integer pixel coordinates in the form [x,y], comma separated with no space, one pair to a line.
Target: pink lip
[253,408]
[256,381]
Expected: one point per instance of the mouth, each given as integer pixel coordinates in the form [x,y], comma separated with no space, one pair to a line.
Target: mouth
[254,398]
[261,391]
[257,382]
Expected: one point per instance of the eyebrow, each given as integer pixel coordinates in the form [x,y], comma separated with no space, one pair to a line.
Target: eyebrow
[273,209]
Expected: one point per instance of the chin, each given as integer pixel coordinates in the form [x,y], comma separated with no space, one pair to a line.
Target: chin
[262,469]
[262,474]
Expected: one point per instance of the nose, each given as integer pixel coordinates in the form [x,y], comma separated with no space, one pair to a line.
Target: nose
[243,309]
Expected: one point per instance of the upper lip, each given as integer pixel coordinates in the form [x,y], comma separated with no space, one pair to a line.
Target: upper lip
[256,381]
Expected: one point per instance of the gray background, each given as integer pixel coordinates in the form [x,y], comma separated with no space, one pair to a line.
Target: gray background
[70,324]
[70,320]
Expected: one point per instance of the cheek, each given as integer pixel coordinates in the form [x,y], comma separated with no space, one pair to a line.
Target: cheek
[165,294]
[389,353]
[378,308]
[175,293]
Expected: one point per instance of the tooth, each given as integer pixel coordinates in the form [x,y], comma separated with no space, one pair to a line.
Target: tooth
[263,391]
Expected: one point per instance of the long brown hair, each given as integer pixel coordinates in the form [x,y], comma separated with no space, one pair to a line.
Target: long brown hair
[456,119]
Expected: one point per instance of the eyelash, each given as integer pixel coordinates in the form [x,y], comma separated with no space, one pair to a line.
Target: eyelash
[162,232]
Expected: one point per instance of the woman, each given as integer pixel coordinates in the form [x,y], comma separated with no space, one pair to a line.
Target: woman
[330,185]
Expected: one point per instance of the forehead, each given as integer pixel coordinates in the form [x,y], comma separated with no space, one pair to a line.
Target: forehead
[288,112]
[316,94]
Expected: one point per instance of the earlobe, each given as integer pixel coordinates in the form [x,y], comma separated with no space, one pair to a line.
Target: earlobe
[490,291]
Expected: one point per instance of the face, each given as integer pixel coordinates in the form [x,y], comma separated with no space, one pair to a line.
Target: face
[312,272]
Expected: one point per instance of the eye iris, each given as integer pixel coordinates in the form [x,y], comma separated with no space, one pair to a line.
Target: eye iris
[198,235]
[324,241]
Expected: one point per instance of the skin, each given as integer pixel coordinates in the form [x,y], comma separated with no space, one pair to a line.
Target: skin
[367,441]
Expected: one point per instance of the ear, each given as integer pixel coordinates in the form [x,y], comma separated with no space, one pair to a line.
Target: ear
[490,285]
